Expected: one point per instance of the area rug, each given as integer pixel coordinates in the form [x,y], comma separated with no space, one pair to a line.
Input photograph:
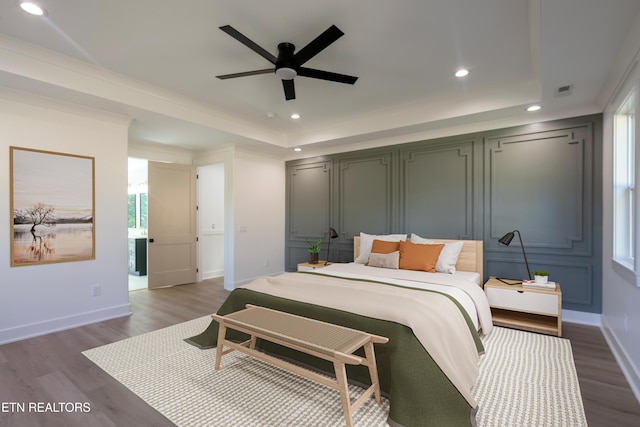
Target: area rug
[525,379]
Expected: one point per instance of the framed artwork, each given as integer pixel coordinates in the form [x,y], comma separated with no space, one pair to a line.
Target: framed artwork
[53,207]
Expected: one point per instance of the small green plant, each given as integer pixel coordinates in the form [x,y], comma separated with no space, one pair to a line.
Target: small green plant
[540,273]
[314,248]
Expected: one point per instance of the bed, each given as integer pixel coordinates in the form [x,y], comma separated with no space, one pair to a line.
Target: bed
[434,322]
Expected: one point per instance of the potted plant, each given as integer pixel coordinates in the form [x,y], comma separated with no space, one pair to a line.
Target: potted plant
[541,276]
[314,249]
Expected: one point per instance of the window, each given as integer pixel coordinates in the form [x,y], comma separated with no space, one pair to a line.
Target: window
[132,211]
[143,210]
[138,210]
[624,209]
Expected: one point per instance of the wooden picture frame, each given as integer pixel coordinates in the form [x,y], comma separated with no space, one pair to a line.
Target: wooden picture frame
[52,207]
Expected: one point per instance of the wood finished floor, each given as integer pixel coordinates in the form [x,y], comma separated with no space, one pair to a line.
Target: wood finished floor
[52,369]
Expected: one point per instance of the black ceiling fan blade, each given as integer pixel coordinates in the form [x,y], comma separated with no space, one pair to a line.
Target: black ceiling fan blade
[326,75]
[289,89]
[248,43]
[316,45]
[246,73]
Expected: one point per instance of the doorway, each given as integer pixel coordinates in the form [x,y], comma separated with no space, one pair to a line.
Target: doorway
[137,193]
[211,220]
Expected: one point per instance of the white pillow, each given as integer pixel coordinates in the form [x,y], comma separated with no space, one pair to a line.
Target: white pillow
[366,241]
[448,257]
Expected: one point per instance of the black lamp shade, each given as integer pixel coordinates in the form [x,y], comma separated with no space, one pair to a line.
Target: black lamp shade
[507,238]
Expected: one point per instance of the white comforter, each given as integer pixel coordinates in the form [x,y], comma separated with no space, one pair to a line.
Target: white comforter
[434,319]
[463,287]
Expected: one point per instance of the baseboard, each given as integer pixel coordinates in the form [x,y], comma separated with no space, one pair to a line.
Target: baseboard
[54,325]
[212,274]
[629,370]
[246,281]
[582,317]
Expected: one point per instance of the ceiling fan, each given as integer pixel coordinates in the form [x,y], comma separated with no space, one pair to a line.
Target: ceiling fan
[289,63]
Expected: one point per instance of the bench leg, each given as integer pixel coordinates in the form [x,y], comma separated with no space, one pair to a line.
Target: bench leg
[373,369]
[341,377]
[222,331]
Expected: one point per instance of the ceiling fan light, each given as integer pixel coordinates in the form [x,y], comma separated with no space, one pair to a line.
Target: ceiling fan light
[286,73]
[31,8]
[463,72]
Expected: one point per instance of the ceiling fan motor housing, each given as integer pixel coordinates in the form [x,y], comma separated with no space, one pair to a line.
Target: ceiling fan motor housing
[286,68]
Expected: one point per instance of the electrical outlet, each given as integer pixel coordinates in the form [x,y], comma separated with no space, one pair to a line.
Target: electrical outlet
[96,290]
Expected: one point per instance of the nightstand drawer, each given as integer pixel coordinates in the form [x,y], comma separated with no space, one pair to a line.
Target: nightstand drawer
[531,302]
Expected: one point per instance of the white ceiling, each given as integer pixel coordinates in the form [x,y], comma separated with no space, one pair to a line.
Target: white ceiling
[156,61]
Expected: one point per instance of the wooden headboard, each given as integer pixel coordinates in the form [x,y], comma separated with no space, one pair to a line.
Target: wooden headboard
[470,259]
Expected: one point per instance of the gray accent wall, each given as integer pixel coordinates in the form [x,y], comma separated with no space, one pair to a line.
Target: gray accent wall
[542,179]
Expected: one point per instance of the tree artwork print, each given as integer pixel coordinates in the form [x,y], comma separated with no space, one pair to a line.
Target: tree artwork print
[52,203]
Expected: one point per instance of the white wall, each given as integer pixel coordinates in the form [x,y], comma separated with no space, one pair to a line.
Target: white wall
[254,213]
[225,156]
[259,211]
[43,298]
[159,153]
[621,296]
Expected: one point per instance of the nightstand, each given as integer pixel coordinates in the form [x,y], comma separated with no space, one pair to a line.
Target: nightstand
[529,309]
[307,266]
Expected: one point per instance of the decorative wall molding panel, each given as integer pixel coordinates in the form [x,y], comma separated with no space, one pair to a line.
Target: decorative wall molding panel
[308,200]
[541,184]
[437,189]
[538,179]
[365,193]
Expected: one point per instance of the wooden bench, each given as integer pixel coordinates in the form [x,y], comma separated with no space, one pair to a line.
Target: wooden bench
[324,340]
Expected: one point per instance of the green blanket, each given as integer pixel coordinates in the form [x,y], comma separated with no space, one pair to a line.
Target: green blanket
[419,393]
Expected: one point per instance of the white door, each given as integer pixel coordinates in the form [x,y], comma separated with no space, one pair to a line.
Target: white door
[172,224]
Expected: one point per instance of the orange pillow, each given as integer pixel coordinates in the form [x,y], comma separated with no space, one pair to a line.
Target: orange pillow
[415,256]
[384,247]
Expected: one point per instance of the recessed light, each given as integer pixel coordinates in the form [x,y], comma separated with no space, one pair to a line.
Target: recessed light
[295,116]
[298,149]
[533,108]
[31,8]
[463,72]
